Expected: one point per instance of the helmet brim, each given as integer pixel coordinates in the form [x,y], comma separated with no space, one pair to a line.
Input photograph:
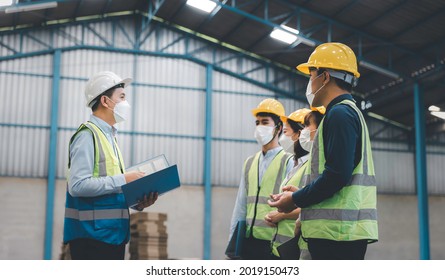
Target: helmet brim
[125,81]
[256,111]
[304,68]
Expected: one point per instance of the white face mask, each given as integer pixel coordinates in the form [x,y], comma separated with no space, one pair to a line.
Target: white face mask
[305,139]
[121,111]
[264,134]
[309,95]
[287,143]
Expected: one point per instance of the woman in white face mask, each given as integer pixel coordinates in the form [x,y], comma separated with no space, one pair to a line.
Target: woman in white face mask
[293,124]
[307,135]
[286,221]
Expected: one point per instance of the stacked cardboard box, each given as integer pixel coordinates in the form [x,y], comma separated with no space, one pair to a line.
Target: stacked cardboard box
[148,236]
[65,252]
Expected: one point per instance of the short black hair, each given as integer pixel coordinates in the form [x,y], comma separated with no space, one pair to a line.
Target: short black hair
[340,83]
[108,93]
[276,119]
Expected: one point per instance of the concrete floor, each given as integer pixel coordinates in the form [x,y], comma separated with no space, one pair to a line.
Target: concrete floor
[23,202]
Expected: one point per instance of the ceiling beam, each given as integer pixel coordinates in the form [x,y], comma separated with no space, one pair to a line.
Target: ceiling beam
[209,17]
[419,23]
[384,14]
[344,26]
[345,8]
[240,23]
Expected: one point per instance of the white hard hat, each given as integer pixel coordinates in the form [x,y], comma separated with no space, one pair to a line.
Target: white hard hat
[101,82]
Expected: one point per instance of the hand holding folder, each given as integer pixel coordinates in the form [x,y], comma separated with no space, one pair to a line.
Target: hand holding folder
[159,178]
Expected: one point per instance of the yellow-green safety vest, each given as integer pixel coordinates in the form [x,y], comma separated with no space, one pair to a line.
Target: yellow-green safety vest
[258,193]
[351,214]
[286,228]
[106,217]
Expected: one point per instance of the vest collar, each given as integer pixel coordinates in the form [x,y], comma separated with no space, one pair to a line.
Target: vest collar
[104,126]
[302,159]
[338,99]
[272,152]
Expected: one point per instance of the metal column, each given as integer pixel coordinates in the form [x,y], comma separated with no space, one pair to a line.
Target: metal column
[207,165]
[422,191]
[52,158]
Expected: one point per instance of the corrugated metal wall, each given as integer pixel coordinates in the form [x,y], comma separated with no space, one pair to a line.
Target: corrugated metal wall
[24,115]
[168,100]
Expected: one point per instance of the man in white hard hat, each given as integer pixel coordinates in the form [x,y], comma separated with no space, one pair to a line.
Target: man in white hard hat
[96,216]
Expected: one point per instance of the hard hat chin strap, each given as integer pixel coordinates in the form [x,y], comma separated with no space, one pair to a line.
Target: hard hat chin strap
[348,78]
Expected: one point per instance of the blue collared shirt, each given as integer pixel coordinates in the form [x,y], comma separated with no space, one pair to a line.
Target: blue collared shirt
[240,209]
[81,182]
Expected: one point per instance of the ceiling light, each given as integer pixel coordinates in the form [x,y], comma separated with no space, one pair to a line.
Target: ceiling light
[30,7]
[434,108]
[204,5]
[289,35]
[6,3]
[439,114]
[379,69]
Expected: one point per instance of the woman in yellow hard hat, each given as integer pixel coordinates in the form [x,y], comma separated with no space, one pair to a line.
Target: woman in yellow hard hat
[285,222]
[292,125]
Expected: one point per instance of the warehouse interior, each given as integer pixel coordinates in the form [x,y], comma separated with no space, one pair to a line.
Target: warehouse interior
[197,74]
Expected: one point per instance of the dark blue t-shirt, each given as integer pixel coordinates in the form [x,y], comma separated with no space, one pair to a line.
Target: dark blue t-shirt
[342,149]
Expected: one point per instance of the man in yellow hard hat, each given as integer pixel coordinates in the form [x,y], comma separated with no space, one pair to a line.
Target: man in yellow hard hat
[338,203]
[96,224]
[262,175]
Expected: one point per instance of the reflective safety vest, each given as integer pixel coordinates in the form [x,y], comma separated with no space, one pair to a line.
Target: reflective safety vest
[286,228]
[258,193]
[351,214]
[106,217]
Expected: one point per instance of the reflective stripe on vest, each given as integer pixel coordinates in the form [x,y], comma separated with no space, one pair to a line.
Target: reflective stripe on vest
[337,218]
[88,215]
[258,194]
[106,217]
[304,251]
[286,227]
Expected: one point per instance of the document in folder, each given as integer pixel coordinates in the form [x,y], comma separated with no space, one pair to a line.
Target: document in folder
[159,177]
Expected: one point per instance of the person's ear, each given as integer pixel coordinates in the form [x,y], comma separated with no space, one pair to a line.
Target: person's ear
[327,77]
[103,101]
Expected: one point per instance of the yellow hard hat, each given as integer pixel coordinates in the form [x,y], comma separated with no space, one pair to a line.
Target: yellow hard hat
[297,116]
[336,56]
[269,105]
[320,109]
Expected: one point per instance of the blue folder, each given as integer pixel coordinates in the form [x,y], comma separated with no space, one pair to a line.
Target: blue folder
[161,182]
